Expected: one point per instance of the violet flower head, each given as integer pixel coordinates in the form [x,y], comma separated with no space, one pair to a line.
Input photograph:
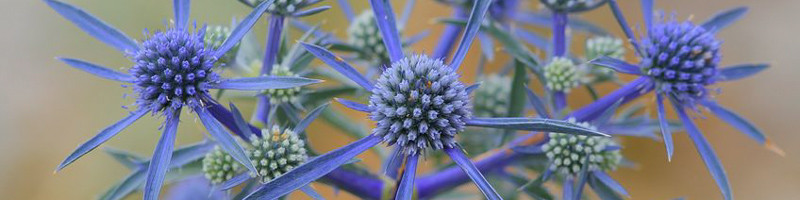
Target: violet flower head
[418,103]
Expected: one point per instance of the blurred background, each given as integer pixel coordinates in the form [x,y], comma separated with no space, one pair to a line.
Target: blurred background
[47,108]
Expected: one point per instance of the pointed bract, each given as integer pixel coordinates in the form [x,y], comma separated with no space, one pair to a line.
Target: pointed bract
[159,164]
[457,155]
[242,28]
[181,10]
[264,83]
[94,27]
[405,190]
[102,137]
[706,152]
[724,19]
[473,25]
[100,71]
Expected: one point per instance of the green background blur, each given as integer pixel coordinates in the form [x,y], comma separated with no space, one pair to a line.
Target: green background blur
[47,108]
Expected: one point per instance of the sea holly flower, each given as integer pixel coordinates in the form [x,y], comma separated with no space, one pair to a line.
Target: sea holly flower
[219,166]
[680,61]
[418,104]
[171,69]
[276,153]
[561,75]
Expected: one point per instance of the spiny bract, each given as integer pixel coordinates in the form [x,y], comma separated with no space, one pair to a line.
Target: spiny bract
[419,103]
[172,69]
[561,74]
[604,46]
[219,166]
[278,152]
[682,58]
[569,153]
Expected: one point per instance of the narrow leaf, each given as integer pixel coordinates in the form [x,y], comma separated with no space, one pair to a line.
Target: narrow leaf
[616,65]
[384,17]
[102,137]
[742,125]
[181,10]
[706,152]
[94,27]
[300,127]
[610,182]
[159,164]
[100,71]
[311,11]
[393,163]
[533,124]
[724,19]
[264,83]
[472,88]
[457,155]
[224,139]
[311,192]
[242,28]
[479,9]
[405,190]
[537,103]
[241,125]
[339,65]
[647,12]
[354,105]
[313,169]
[664,124]
[737,72]
[235,181]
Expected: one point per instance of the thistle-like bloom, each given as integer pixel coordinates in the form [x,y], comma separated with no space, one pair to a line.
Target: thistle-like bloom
[680,61]
[171,69]
[219,166]
[418,104]
[561,75]
[278,152]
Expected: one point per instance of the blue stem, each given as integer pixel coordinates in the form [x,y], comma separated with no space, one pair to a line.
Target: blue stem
[270,55]
[559,50]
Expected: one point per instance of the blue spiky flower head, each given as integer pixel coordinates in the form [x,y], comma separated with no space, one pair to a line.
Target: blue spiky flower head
[682,58]
[172,69]
[419,104]
[278,152]
[568,154]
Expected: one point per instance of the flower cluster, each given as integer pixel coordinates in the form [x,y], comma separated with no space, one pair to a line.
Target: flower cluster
[419,104]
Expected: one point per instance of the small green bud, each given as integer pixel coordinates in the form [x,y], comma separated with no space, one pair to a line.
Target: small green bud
[219,166]
[561,75]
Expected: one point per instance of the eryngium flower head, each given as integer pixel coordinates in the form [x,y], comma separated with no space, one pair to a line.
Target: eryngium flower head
[363,33]
[278,152]
[215,36]
[563,5]
[219,166]
[561,74]
[492,97]
[682,58]
[569,153]
[172,69]
[278,96]
[419,104]
[284,7]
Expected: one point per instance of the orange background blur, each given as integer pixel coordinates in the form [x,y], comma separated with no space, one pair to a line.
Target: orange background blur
[47,108]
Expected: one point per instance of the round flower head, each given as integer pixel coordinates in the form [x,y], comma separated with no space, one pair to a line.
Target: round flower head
[285,7]
[419,104]
[215,36]
[561,74]
[278,96]
[563,5]
[682,58]
[604,46]
[363,33]
[569,153]
[278,152]
[172,69]
[492,97]
[219,166]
